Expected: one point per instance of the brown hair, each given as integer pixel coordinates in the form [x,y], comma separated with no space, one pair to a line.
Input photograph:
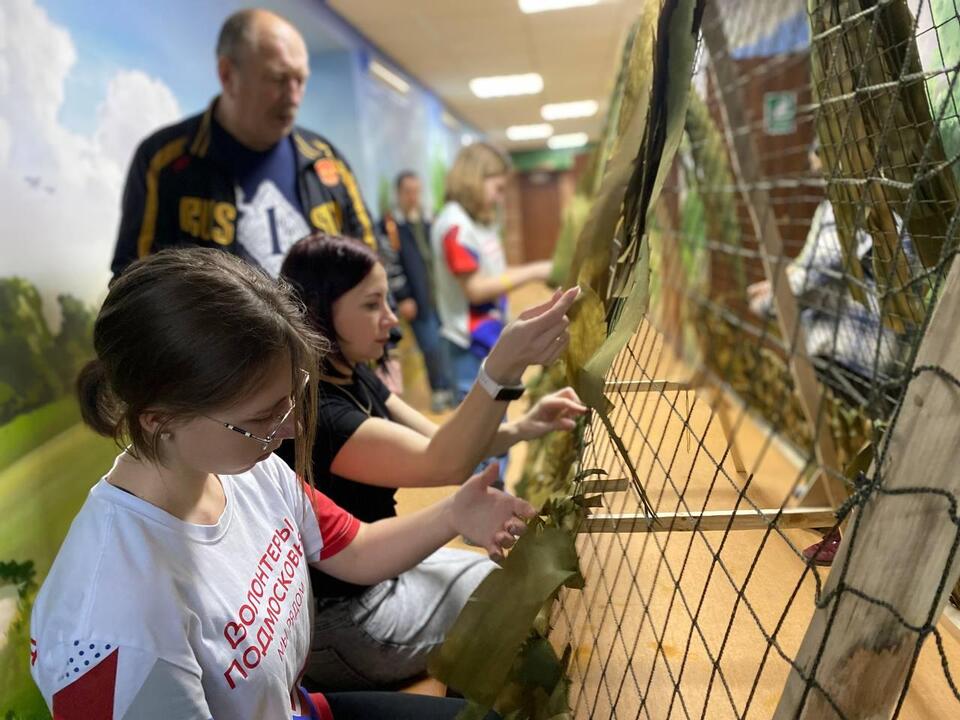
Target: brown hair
[474,164]
[188,330]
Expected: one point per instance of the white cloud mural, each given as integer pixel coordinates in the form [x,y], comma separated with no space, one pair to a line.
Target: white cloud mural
[60,190]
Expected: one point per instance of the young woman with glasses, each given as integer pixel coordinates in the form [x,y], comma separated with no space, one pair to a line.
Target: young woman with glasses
[182,588]
[370,442]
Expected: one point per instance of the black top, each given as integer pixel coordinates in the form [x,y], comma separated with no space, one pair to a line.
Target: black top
[338,416]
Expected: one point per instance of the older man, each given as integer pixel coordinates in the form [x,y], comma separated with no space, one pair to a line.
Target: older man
[242,176]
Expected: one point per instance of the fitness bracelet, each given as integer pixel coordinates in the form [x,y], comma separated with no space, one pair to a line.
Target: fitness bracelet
[495,389]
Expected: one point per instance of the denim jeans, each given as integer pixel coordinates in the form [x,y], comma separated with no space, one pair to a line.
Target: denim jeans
[466,367]
[426,328]
[383,636]
[396,706]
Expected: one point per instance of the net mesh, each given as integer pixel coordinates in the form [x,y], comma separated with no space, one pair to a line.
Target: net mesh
[790,290]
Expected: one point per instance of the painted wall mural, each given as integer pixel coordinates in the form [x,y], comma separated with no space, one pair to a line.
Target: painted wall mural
[80,85]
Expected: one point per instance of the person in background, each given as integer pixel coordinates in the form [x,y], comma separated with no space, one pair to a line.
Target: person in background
[470,266]
[840,332]
[182,587]
[370,442]
[408,228]
[242,176]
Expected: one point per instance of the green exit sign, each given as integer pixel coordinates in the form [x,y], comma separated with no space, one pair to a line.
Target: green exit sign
[780,113]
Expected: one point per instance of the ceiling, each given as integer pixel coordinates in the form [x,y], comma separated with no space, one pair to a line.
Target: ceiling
[446,43]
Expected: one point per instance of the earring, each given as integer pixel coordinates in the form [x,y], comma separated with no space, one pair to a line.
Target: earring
[165,436]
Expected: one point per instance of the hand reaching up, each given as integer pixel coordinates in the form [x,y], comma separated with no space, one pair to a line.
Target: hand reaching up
[537,337]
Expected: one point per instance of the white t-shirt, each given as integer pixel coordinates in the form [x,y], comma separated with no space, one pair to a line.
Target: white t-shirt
[462,247]
[146,616]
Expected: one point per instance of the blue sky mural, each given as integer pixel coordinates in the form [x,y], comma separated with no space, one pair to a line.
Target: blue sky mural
[82,83]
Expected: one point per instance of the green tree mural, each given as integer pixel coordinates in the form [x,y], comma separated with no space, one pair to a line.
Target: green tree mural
[73,344]
[26,346]
[37,366]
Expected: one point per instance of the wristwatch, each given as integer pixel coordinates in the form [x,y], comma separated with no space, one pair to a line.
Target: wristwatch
[495,389]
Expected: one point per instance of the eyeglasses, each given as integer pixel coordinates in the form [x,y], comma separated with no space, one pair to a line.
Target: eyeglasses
[265,441]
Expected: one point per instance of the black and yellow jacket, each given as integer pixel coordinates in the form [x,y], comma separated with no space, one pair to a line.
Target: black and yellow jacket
[178,193]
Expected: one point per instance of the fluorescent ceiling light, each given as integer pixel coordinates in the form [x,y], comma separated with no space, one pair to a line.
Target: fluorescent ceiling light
[535,6]
[382,72]
[529,132]
[563,111]
[505,85]
[572,140]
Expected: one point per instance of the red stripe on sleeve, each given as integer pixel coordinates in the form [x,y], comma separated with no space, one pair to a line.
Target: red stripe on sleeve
[90,696]
[459,259]
[322,706]
[338,528]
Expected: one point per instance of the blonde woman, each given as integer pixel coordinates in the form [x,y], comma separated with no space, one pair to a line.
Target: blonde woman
[470,267]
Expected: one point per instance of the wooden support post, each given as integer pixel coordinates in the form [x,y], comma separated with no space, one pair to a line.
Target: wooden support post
[709,520]
[720,405]
[743,162]
[896,551]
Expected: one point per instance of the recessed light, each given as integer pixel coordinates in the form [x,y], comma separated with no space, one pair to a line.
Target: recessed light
[535,6]
[385,74]
[571,140]
[506,85]
[564,111]
[529,132]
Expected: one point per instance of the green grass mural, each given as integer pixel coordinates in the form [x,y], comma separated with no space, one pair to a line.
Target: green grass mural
[48,462]
[39,495]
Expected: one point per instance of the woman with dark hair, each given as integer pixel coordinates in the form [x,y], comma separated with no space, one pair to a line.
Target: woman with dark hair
[181,589]
[370,442]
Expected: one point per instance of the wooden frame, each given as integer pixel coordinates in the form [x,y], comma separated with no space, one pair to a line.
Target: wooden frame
[603,485]
[709,520]
[898,550]
[894,571]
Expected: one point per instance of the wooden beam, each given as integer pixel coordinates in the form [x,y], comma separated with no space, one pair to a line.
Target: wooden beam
[896,551]
[746,170]
[603,485]
[710,520]
[640,386]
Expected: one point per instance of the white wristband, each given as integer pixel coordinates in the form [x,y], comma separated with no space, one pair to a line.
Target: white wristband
[494,389]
